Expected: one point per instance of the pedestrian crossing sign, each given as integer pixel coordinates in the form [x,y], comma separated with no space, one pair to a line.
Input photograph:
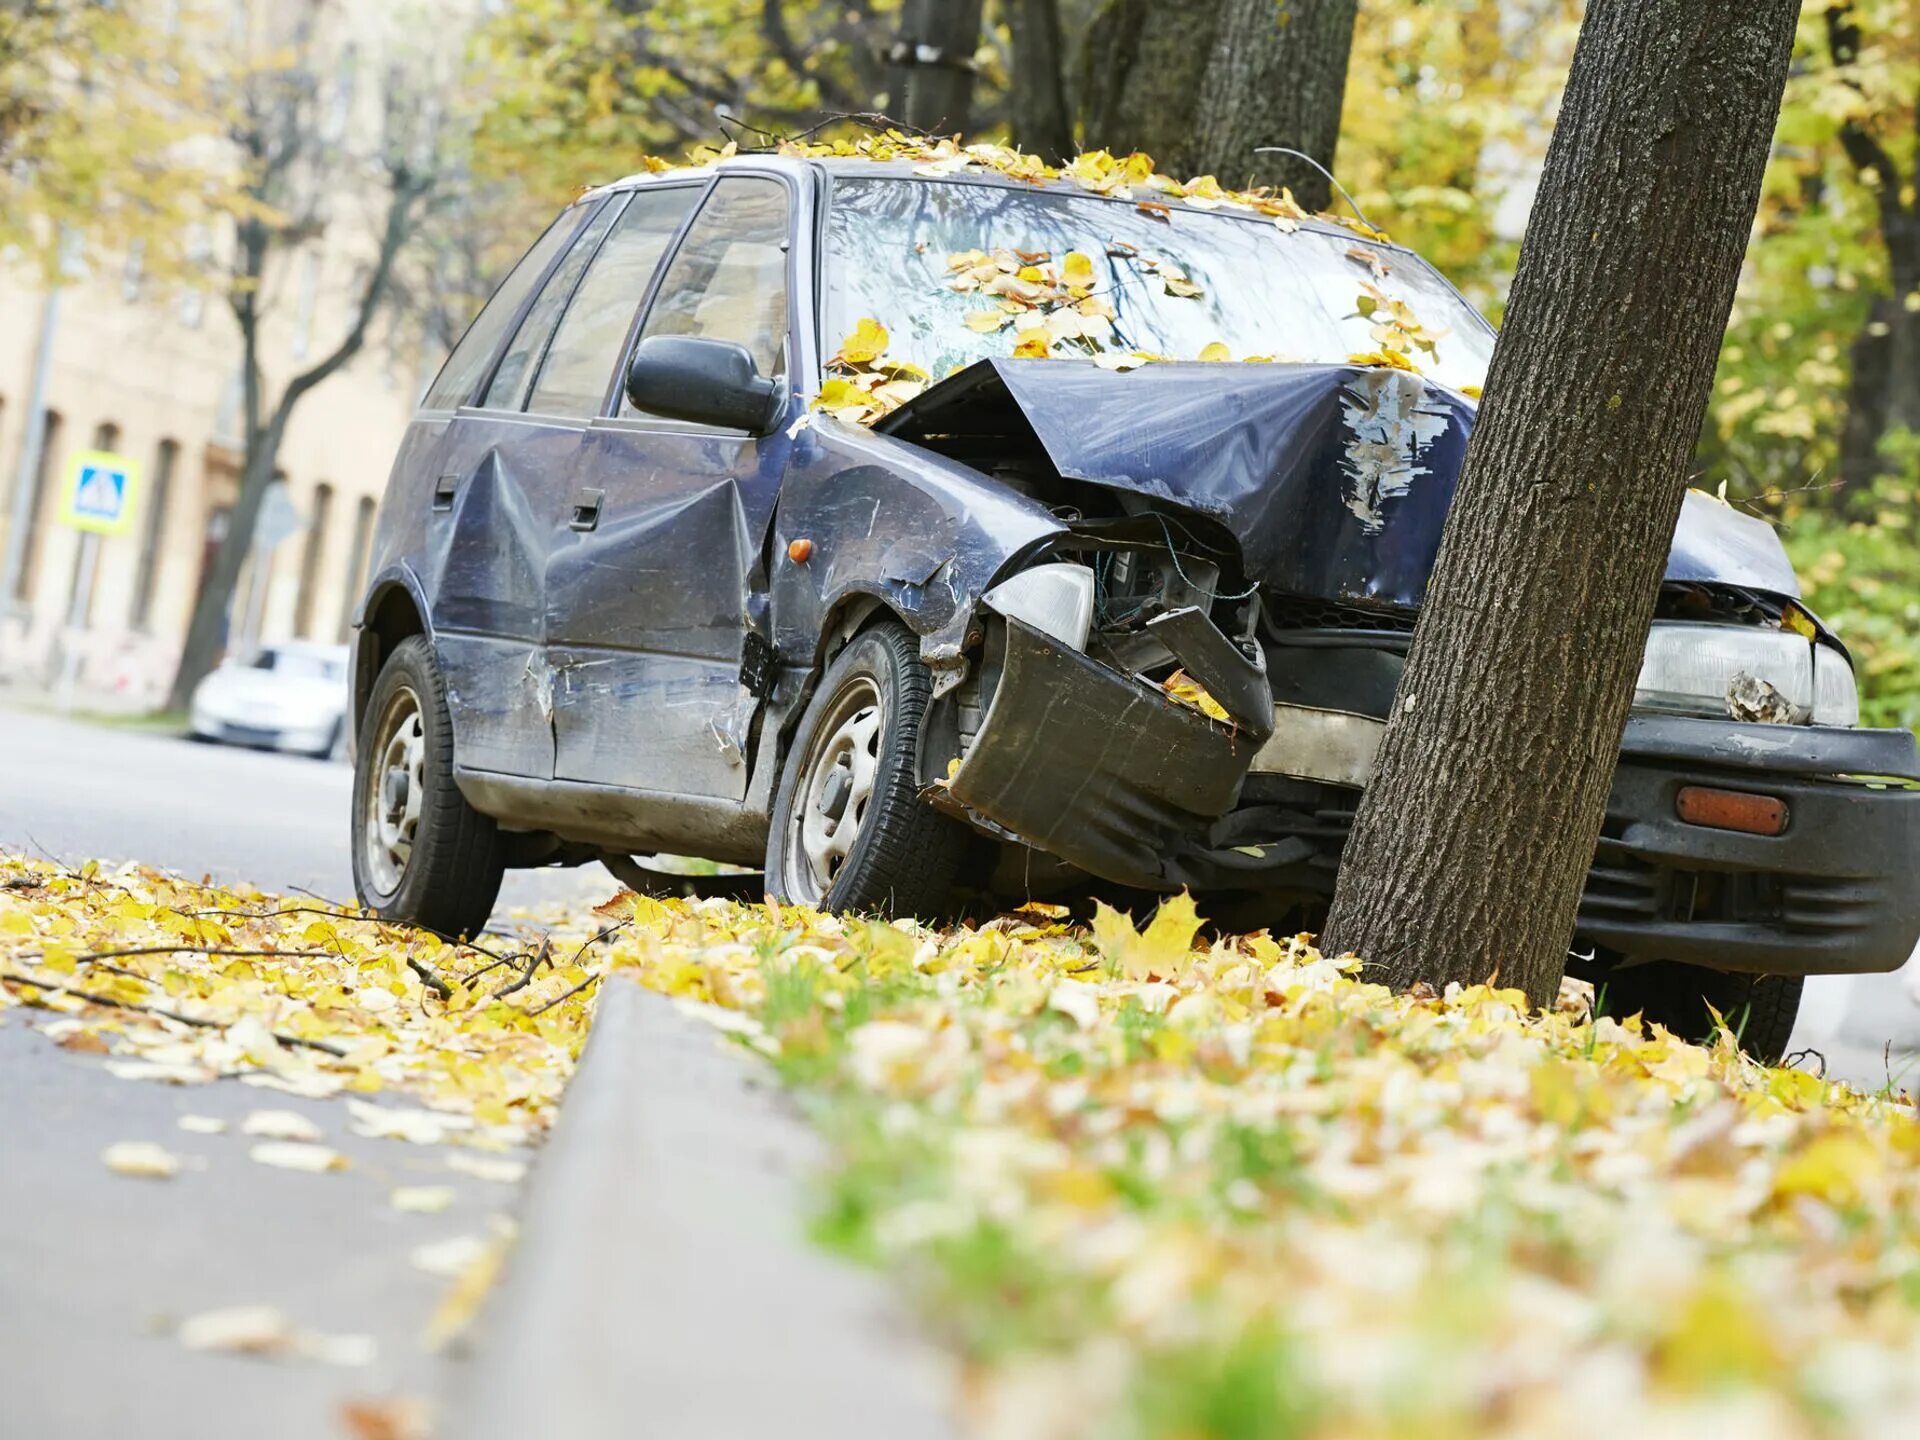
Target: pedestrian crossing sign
[99,492]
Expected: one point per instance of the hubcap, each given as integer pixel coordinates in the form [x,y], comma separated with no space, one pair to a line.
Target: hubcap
[836,788]
[398,760]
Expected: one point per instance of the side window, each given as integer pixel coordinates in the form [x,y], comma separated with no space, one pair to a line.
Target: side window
[508,389]
[469,359]
[586,347]
[728,280]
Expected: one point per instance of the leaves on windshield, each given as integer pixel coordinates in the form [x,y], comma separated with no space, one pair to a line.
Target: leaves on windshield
[862,385]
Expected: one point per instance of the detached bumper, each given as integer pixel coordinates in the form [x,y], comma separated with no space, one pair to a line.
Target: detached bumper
[1119,780]
[1092,766]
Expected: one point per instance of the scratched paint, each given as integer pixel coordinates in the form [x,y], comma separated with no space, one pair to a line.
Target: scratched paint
[1391,425]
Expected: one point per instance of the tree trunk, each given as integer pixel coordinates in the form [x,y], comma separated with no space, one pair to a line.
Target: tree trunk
[1200,86]
[207,630]
[1471,846]
[933,64]
[1277,76]
[1042,121]
[1144,66]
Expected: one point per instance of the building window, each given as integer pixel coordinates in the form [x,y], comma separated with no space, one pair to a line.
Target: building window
[106,436]
[310,556]
[153,529]
[357,559]
[36,504]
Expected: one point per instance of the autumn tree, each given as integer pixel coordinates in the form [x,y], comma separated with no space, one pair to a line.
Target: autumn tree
[1471,846]
[295,171]
[96,108]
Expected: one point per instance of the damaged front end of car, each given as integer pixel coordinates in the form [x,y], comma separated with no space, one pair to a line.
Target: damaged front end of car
[1185,686]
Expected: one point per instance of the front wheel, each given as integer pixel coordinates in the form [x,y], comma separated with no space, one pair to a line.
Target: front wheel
[850,831]
[421,853]
[1760,1009]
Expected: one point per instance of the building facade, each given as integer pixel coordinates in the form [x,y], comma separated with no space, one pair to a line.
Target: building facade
[152,371]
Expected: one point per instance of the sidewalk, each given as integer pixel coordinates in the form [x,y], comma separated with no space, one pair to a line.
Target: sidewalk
[663,1284]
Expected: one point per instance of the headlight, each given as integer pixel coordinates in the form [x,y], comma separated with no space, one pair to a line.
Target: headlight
[1056,600]
[1689,667]
[1836,699]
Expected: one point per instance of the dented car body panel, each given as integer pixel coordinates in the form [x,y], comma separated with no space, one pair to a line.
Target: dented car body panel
[631,614]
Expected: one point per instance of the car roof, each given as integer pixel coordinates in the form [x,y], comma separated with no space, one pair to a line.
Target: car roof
[858,167]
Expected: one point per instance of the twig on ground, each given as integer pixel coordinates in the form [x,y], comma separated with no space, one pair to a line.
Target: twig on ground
[542,1009]
[535,959]
[93,999]
[430,977]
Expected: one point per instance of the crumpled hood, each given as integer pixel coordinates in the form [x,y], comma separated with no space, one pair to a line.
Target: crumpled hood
[1334,479]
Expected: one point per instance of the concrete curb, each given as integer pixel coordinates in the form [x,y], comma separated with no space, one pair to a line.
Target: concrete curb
[662,1284]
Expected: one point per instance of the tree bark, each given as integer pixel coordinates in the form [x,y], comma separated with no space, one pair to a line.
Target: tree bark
[1471,846]
[1042,121]
[1884,391]
[1277,76]
[933,64]
[1201,86]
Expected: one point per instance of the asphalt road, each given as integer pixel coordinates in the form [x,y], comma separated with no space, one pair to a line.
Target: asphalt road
[97,1269]
[78,790]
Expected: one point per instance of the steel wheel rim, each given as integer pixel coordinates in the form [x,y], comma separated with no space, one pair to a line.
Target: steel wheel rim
[835,791]
[397,767]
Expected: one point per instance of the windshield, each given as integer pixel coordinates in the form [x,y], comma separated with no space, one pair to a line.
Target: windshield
[1178,280]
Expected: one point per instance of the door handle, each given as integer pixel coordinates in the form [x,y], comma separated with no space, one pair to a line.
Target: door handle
[443,489]
[586,509]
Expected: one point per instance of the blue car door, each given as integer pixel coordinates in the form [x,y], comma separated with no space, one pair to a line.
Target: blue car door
[650,581]
[499,486]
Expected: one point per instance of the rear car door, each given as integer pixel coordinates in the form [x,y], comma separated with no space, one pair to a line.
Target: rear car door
[654,573]
[499,488]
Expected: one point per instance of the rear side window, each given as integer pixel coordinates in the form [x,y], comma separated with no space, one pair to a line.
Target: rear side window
[581,359]
[728,279]
[469,359]
[508,388]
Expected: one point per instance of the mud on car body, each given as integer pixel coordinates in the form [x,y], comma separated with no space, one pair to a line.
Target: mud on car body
[1047,623]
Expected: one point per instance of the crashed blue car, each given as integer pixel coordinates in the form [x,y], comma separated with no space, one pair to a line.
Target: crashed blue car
[1087,604]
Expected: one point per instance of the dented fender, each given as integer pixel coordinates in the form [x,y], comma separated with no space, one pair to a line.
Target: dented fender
[883,520]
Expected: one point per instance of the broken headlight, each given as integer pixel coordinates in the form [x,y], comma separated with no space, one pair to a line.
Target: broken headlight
[1748,672]
[1055,599]
[1836,698]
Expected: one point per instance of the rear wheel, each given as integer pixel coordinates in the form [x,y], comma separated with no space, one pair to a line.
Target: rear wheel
[850,831]
[420,851]
[1760,1009]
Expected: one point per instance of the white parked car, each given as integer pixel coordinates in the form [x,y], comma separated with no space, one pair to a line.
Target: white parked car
[291,696]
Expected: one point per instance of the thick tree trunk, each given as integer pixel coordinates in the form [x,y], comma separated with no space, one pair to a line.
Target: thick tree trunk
[1200,86]
[933,64]
[1042,120]
[1277,76]
[1144,65]
[1471,846]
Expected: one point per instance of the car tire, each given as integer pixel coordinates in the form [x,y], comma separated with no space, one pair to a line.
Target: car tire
[1761,1009]
[421,853]
[863,727]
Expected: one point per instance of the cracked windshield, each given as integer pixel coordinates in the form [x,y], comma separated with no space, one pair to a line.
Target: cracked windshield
[957,272]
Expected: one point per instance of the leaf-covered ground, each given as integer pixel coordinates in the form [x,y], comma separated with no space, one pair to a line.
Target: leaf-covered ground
[1155,1183]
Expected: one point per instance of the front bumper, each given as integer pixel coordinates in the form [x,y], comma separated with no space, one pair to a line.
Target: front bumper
[1116,778]
[303,739]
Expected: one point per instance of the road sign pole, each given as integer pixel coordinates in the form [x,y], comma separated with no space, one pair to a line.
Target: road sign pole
[83,568]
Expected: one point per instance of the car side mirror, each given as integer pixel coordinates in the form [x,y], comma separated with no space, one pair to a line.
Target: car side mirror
[710,382]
